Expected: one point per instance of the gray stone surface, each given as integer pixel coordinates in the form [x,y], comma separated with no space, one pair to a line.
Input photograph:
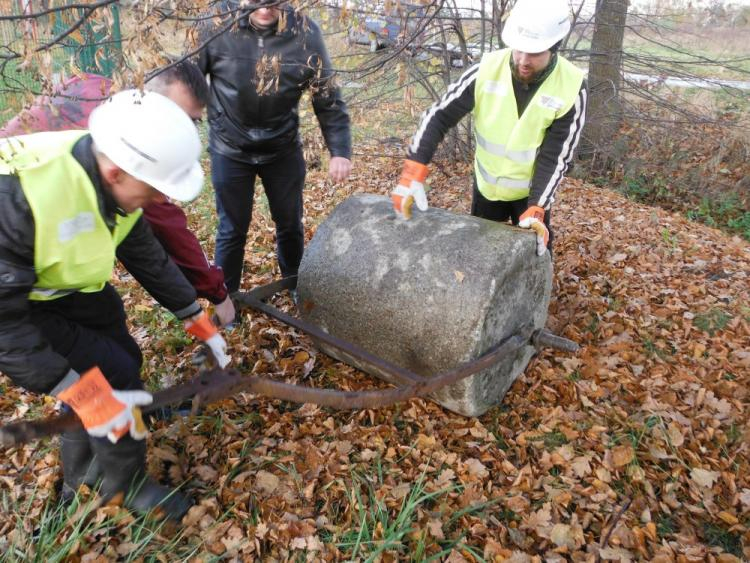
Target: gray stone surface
[428,294]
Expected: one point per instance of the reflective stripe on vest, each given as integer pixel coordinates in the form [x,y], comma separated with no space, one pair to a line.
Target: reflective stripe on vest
[498,180]
[506,145]
[496,149]
[41,294]
[74,249]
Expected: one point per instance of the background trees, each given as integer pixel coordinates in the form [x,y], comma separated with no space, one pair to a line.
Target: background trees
[668,81]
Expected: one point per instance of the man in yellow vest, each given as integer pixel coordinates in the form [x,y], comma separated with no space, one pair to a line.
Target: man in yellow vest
[528,105]
[70,204]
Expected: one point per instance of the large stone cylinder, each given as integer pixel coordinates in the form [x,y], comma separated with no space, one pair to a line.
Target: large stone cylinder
[427,294]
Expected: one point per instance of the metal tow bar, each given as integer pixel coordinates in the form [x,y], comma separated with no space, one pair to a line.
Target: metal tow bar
[256,299]
[216,384]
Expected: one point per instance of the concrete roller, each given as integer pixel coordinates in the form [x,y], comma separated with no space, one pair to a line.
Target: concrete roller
[427,294]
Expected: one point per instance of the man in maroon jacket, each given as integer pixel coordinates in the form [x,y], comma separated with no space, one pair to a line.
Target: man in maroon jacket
[70,107]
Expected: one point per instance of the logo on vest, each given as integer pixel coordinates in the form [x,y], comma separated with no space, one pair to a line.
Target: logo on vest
[495,87]
[70,228]
[550,102]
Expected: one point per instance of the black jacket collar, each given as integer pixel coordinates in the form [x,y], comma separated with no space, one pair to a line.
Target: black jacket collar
[83,152]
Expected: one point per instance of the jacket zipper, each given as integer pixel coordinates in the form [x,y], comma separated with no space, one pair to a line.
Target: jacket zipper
[260,58]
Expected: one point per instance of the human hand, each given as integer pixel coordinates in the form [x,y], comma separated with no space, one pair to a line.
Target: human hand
[225,312]
[339,168]
[533,218]
[410,189]
[104,411]
[201,327]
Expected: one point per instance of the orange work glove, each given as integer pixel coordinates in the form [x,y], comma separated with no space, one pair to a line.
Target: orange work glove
[202,328]
[410,189]
[533,218]
[104,411]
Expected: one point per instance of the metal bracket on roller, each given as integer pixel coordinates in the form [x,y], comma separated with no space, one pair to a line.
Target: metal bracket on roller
[217,384]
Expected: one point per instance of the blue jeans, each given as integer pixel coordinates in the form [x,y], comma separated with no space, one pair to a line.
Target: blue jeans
[234,187]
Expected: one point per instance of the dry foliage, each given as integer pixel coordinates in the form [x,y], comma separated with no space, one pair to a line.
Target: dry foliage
[634,449]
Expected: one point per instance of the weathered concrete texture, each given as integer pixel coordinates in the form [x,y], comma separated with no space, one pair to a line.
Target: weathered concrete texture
[427,294]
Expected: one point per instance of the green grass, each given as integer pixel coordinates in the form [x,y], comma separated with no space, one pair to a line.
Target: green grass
[726,66]
[551,440]
[659,350]
[727,213]
[718,536]
[643,188]
[60,531]
[741,225]
[52,532]
[378,529]
[665,525]
[712,320]
[635,434]
[574,376]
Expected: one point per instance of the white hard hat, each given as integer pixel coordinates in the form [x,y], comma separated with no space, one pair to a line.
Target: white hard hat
[151,138]
[536,25]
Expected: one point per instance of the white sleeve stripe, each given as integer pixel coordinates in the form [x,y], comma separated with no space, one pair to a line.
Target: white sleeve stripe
[566,154]
[454,91]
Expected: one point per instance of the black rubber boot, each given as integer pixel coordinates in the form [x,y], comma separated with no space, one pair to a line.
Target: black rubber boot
[80,467]
[123,467]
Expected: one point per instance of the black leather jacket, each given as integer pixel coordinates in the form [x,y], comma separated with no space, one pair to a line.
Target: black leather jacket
[257,78]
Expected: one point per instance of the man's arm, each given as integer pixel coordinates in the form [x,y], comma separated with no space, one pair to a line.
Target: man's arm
[25,355]
[147,261]
[443,115]
[329,106]
[557,152]
[169,224]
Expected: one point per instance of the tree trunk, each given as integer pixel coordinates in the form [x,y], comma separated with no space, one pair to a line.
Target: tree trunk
[604,113]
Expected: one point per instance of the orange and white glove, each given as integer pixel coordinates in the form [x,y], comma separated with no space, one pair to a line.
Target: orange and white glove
[533,218]
[202,328]
[104,411]
[410,189]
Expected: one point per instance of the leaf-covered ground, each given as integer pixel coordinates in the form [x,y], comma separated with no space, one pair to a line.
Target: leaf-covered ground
[636,448]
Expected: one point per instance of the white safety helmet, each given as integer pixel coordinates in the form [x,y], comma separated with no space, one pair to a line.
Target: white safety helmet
[536,25]
[151,138]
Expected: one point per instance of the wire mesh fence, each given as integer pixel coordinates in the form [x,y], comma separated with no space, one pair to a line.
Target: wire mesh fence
[39,51]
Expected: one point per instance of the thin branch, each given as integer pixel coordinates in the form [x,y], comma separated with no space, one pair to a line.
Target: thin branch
[71,29]
[35,15]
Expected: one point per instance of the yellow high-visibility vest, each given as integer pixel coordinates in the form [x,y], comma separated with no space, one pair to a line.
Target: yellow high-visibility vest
[506,145]
[74,250]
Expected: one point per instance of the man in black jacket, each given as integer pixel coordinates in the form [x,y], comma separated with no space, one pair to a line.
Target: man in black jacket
[258,72]
[69,205]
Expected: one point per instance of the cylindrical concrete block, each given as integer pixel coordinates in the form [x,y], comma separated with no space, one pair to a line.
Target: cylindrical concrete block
[427,294]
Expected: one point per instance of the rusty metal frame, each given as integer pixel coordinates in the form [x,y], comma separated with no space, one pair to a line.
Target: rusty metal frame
[256,299]
[215,384]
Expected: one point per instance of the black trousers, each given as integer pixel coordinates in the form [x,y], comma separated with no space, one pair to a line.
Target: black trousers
[89,330]
[501,211]
[234,187]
